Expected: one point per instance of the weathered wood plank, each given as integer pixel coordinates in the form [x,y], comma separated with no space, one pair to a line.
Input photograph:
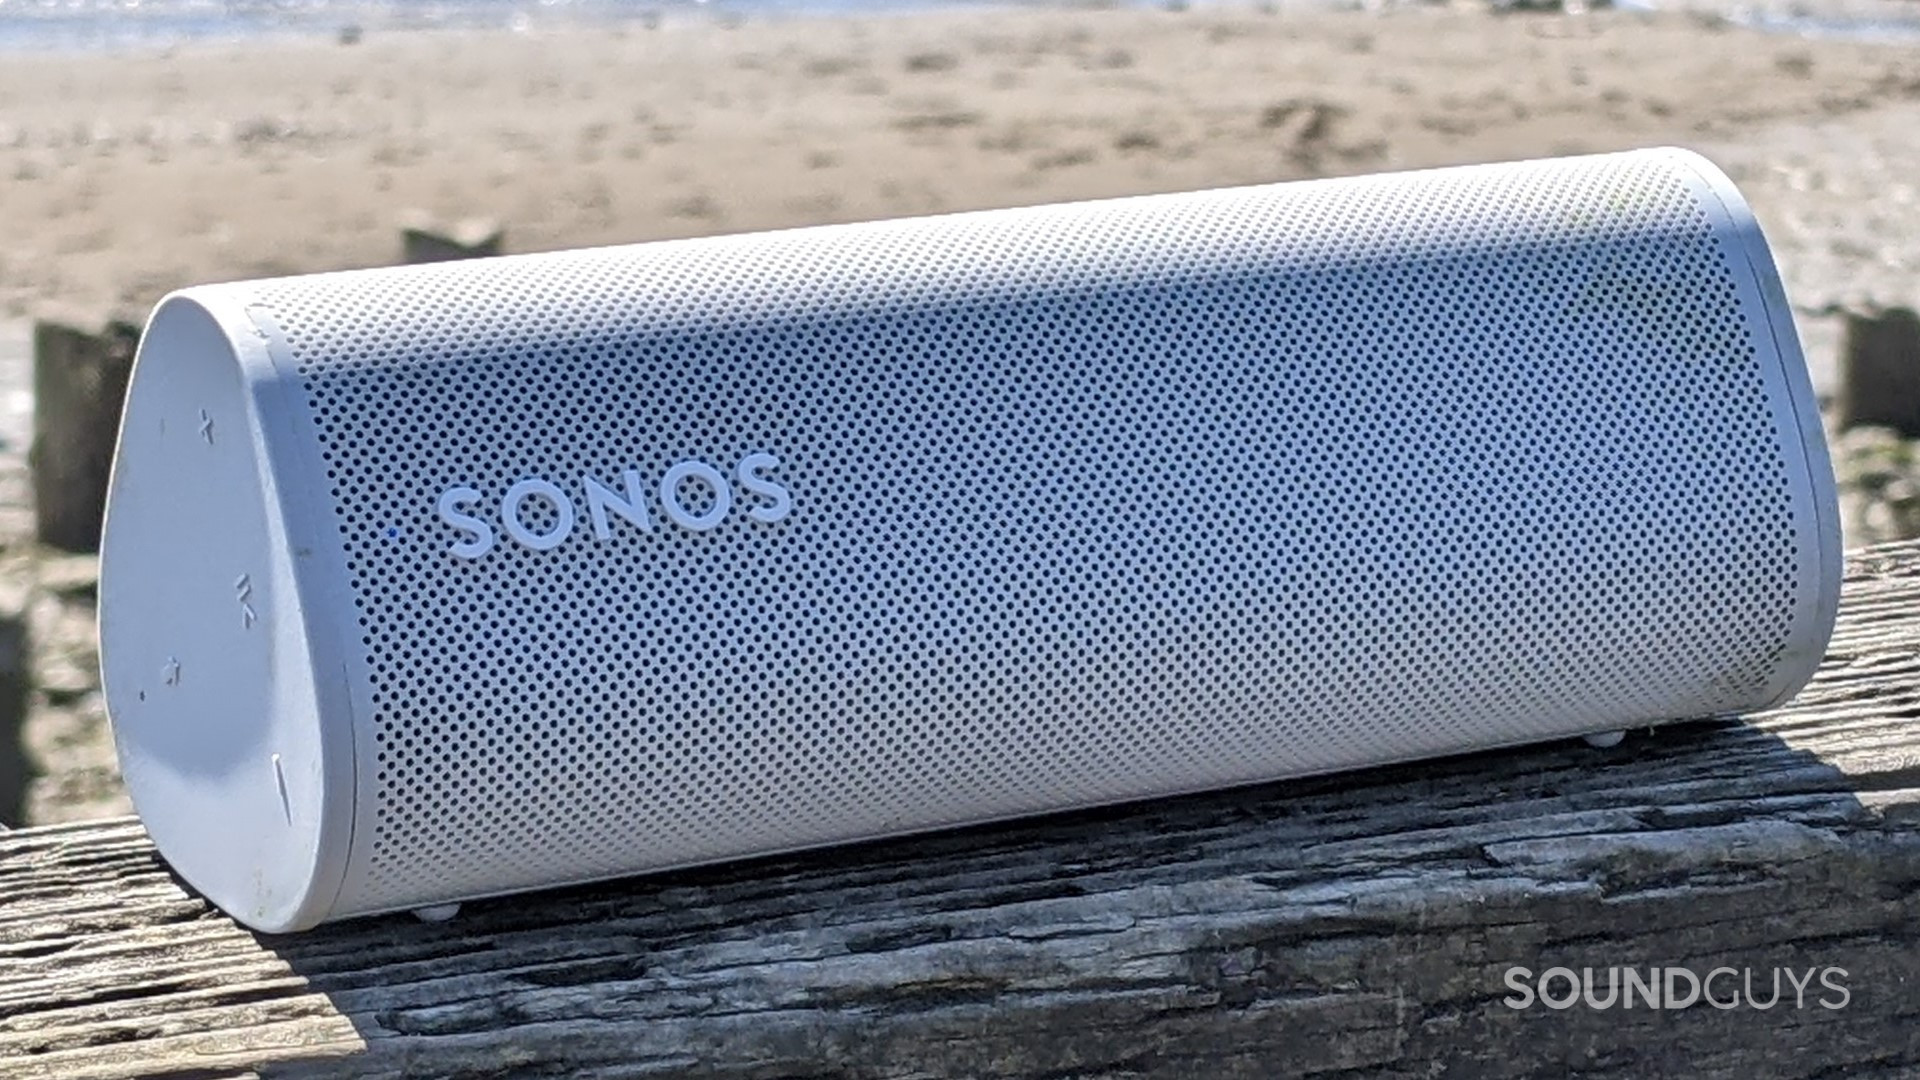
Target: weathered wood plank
[1356,925]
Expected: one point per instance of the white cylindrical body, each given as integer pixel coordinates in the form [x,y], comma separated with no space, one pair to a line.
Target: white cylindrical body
[433,583]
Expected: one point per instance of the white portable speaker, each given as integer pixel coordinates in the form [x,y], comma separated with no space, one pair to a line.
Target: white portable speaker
[433,583]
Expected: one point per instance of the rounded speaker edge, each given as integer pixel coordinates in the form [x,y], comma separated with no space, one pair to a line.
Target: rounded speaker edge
[1816,488]
[207,662]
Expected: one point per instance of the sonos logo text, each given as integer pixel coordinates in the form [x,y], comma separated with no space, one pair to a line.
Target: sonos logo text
[772,502]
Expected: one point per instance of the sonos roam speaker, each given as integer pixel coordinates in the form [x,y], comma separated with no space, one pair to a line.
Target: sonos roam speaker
[433,583]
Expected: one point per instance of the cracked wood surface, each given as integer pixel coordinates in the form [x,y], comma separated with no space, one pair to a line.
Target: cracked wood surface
[1352,925]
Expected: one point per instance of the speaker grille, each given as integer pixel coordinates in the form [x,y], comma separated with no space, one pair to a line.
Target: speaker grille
[1090,502]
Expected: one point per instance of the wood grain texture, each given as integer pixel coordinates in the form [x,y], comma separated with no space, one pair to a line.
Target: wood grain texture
[1347,926]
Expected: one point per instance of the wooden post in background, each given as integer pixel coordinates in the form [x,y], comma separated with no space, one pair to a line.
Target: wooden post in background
[15,697]
[1880,371]
[422,240]
[80,375]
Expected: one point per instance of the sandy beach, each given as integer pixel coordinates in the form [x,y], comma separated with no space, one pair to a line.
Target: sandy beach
[124,175]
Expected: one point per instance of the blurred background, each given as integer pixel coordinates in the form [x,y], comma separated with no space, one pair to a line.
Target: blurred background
[147,145]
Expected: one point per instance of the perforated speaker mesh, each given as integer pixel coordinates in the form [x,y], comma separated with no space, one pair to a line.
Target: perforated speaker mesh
[1088,503]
